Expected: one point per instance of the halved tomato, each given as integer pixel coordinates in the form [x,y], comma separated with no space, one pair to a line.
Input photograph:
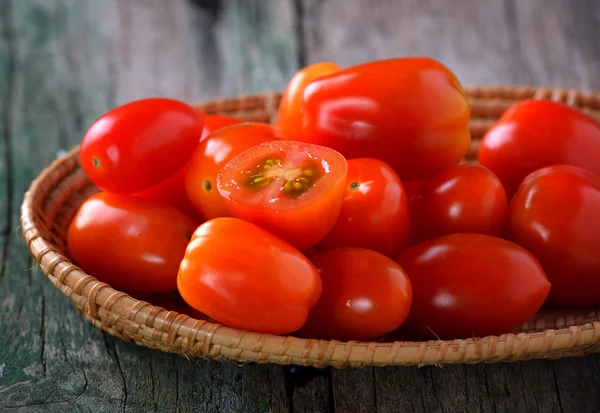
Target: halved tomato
[293,189]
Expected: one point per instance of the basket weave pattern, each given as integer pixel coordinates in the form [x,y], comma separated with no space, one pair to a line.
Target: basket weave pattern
[55,195]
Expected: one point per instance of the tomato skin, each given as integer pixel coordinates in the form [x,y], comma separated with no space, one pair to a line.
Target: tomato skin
[411,113]
[555,214]
[133,244]
[466,198]
[375,213]
[247,278]
[137,145]
[472,285]
[533,134]
[301,221]
[212,154]
[365,295]
[289,117]
[215,122]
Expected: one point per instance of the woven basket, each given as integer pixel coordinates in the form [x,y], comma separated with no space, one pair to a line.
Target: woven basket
[55,195]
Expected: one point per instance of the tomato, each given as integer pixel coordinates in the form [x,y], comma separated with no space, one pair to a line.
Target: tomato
[466,198]
[365,295]
[472,285]
[215,122]
[533,134]
[293,189]
[139,144]
[555,214]
[212,154]
[290,115]
[411,113]
[374,214]
[247,278]
[130,243]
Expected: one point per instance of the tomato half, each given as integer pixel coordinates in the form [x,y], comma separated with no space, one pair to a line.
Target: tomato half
[466,198]
[214,122]
[133,244]
[139,144]
[411,113]
[555,214]
[212,154]
[290,114]
[247,278]
[374,214]
[365,295]
[472,285]
[533,134]
[293,189]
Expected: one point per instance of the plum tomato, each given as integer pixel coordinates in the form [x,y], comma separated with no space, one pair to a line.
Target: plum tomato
[411,113]
[139,144]
[215,122]
[133,244]
[375,213]
[533,134]
[555,214]
[245,277]
[293,189]
[465,198]
[365,295]
[472,285]
[212,154]
[289,117]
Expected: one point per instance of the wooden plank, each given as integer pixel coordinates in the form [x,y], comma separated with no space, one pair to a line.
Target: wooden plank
[309,389]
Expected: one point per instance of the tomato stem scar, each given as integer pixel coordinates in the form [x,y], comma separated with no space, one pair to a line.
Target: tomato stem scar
[354,186]
[96,162]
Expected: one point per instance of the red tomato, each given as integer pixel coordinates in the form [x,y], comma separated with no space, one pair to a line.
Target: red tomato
[293,189]
[365,295]
[536,133]
[555,214]
[472,285]
[375,210]
[211,156]
[139,144]
[130,243]
[215,122]
[290,114]
[247,278]
[411,113]
[466,198]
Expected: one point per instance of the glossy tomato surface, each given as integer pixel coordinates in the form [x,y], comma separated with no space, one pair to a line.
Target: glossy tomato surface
[247,278]
[139,144]
[472,285]
[555,214]
[466,198]
[290,112]
[411,113]
[130,243]
[293,189]
[536,133]
[365,295]
[214,122]
[212,154]
[375,213]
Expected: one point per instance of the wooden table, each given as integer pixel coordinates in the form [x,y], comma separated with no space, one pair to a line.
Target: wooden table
[64,62]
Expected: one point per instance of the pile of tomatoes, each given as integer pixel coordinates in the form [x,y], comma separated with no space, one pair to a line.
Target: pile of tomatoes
[354,216]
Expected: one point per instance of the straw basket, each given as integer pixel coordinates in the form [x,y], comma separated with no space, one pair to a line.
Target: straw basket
[54,196]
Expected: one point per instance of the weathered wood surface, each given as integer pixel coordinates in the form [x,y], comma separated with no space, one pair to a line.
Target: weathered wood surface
[64,62]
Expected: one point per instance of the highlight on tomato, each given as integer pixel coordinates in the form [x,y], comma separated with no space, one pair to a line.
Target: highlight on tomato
[294,190]
[245,277]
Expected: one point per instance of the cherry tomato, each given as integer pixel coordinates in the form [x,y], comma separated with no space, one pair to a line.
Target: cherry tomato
[555,214]
[374,214]
[215,122]
[411,113]
[365,295]
[472,285]
[139,144]
[290,114]
[212,154]
[466,198]
[293,189]
[247,278]
[133,244]
[536,133]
